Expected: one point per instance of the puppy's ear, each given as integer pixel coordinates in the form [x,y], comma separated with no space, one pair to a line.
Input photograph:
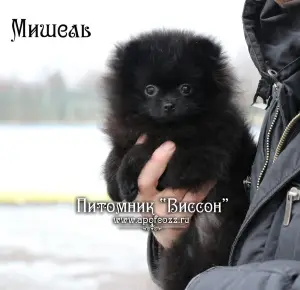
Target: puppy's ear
[208,54]
[125,54]
[207,49]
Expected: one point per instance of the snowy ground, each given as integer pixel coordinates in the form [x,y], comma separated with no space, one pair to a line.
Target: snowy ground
[52,247]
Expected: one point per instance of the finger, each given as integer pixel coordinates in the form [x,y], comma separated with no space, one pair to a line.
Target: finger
[141,139]
[173,208]
[183,211]
[208,186]
[154,168]
[190,197]
[178,194]
[166,197]
[179,220]
[205,190]
[164,152]
[182,196]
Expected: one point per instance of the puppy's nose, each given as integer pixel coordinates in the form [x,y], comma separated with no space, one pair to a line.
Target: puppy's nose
[169,107]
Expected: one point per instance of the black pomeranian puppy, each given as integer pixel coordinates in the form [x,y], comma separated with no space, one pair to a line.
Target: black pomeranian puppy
[178,86]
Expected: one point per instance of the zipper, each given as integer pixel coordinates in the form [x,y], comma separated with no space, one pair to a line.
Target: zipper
[294,193]
[292,196]
[276,87]
[285,135]
[275,92]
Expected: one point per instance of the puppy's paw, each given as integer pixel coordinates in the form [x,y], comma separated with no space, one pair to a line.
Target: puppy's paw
[128,173]
[128,189]
[127,182]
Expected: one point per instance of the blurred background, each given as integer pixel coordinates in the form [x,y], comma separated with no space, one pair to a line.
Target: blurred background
[51,149]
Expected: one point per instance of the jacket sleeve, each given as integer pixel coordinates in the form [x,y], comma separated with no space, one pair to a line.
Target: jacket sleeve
[154,251]
[270,275]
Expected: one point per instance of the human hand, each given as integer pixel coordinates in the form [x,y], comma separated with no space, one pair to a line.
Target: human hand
[147,183]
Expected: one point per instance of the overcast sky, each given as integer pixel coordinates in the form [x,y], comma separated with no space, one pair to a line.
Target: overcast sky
[109,22]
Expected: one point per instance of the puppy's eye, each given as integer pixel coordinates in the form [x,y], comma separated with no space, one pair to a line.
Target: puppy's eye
[185,89]
[151,90]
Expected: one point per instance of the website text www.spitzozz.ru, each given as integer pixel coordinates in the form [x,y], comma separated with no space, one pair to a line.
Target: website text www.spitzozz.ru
[154,221]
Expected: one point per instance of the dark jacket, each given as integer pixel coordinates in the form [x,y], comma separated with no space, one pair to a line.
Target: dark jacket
[266,253]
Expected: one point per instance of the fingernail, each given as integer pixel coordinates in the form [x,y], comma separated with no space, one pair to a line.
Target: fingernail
[141,139]
[168,146]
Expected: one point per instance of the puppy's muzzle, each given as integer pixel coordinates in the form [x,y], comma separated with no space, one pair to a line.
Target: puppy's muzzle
[169,107]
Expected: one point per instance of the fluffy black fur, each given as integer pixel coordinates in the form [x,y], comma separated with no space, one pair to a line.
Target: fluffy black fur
[190,101]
